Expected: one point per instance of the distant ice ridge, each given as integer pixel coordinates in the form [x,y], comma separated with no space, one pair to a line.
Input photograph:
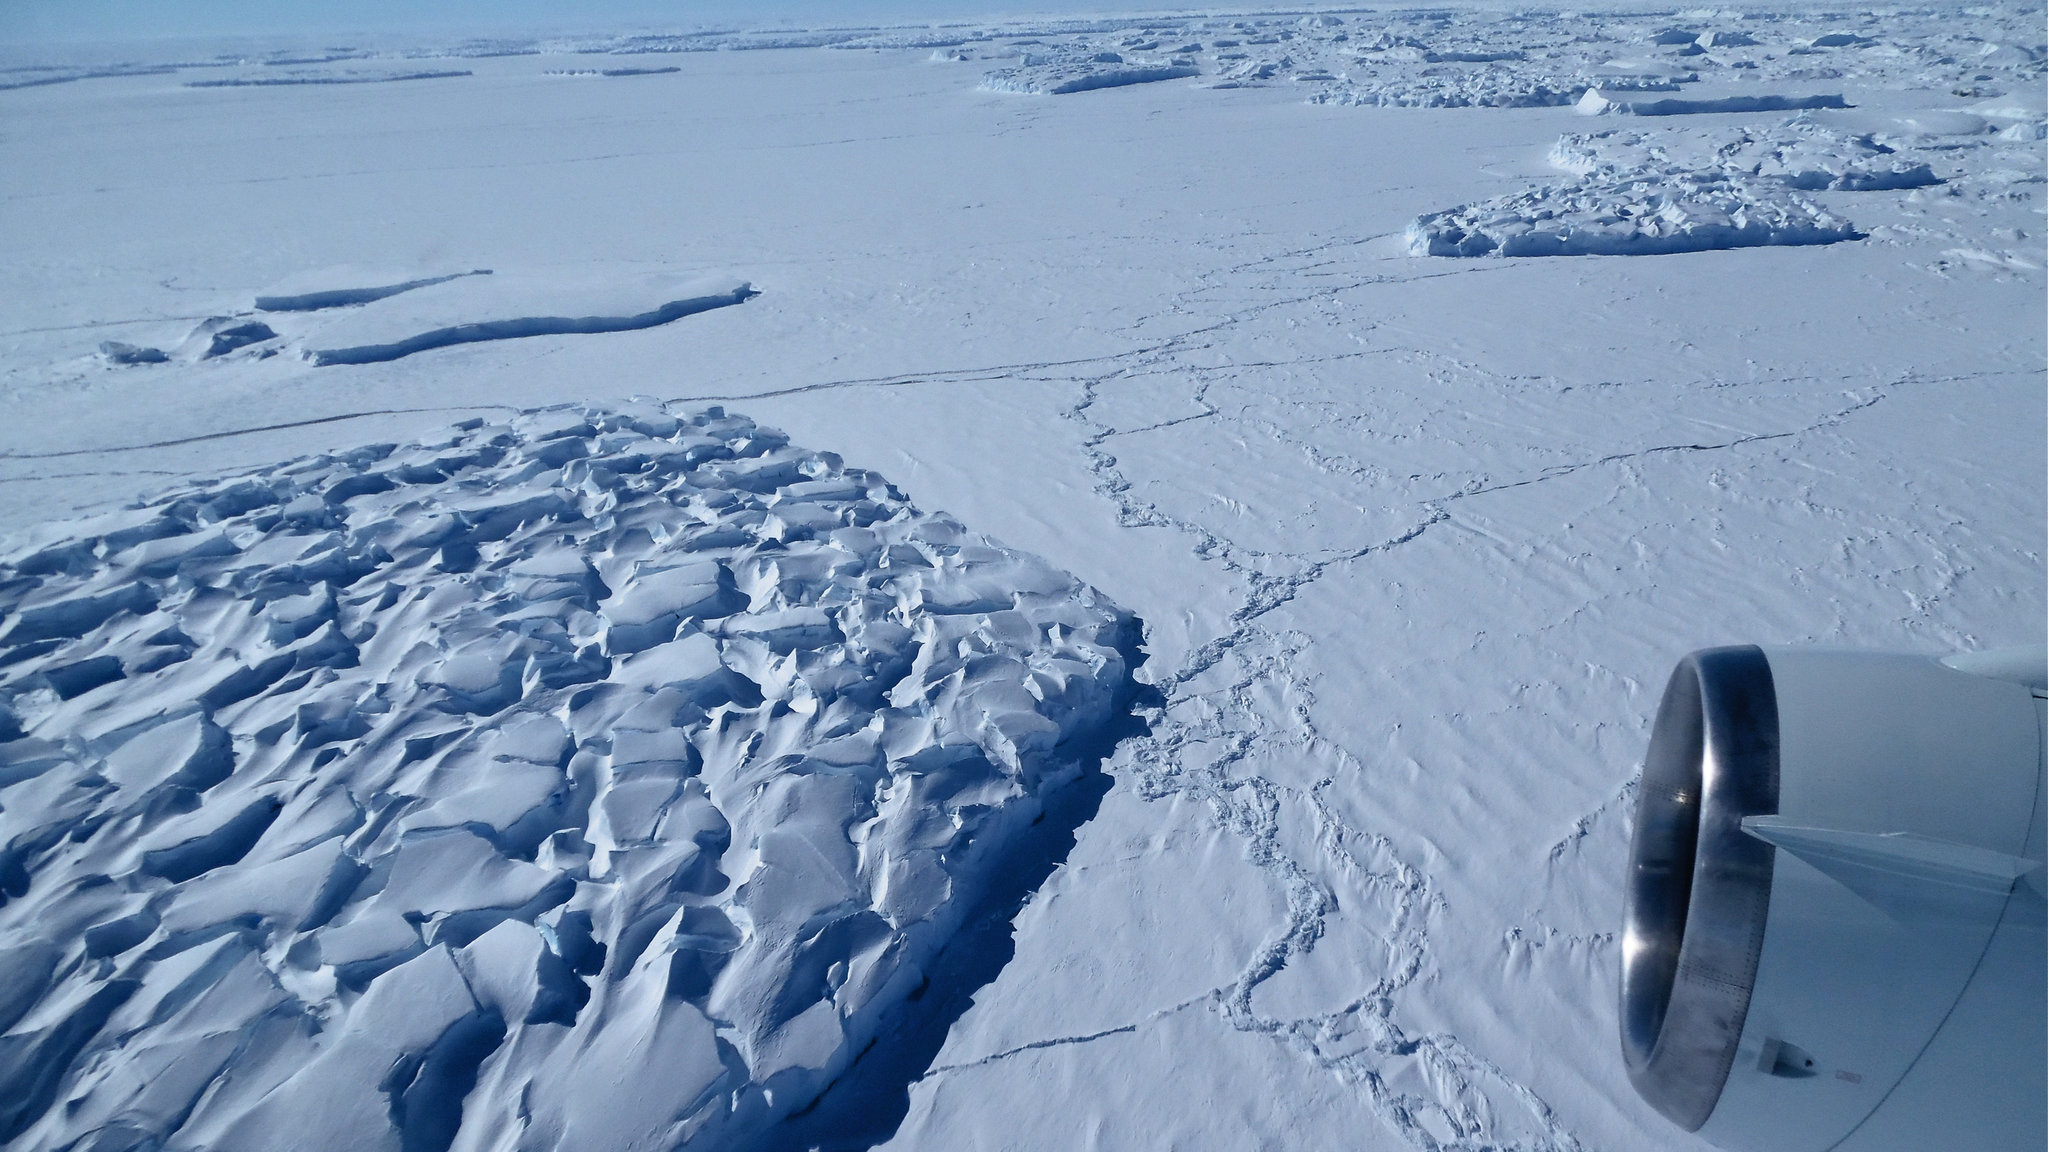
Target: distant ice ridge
[296,79]
[1478,88]
[1596,102]
[1063,73]
[598,780]
[1639,216]
[45,75]
[1426,58]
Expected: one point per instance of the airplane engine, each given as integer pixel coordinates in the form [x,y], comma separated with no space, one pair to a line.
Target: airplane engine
[1834,934]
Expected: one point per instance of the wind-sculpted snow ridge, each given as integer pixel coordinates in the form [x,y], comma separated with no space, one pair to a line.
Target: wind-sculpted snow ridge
[599,780]
[1058,76]
[1493,85]
[1683,212]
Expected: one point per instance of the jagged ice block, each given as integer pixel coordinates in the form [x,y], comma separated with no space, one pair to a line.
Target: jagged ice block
[421,797]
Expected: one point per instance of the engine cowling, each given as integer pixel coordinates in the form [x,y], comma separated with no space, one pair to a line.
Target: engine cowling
[1834,935]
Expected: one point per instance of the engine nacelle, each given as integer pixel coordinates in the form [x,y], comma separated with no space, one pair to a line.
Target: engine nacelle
[1835,923]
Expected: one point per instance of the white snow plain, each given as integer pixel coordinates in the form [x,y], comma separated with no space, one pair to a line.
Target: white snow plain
[1412,541]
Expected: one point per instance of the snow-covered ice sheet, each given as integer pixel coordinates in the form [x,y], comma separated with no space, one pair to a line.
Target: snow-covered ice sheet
[442,791]
[1414,540]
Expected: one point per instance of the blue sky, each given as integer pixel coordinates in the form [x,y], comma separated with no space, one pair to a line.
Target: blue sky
[33,20]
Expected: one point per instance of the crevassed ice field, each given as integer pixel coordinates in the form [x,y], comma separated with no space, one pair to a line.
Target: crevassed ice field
[1065,584]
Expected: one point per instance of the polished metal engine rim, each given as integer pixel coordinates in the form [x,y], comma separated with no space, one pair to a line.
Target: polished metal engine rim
[1698,887]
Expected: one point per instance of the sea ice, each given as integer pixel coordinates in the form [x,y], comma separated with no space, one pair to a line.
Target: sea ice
[416,796]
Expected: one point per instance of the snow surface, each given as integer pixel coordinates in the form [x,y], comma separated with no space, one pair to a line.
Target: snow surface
[479,778]
[1413,540]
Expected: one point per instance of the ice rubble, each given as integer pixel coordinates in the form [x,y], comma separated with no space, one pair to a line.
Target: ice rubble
[418,797]
[1658,191]
[1477,88]
[1638,216]
[1062,73]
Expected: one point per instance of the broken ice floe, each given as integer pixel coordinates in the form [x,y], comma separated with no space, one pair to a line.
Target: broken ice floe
[1679,212]
[1798,153]
[610,72]
[409,797]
